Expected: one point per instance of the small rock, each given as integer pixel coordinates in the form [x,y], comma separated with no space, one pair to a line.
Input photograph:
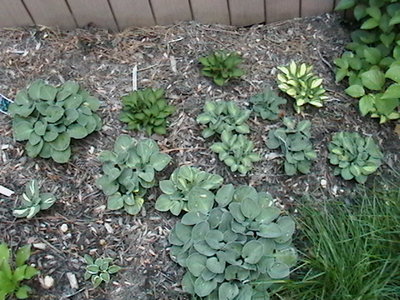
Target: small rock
[40,246]
[47,282]
[72,280]
[103,242]
[324,183]
[64,228]
[108,228]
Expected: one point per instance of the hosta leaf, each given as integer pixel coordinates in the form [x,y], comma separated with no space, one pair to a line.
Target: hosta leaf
[192,218]
[200,200]
[77,131]
[163,203]
[279,270]
[355,91]
[159,161]
[227,291]
[61,156]
[373,79]
[61,143]
[196,263]
[204,288]
[225,195]
[392,92]
[215,265]
[48,92]
[250,208]
[252,252]
[22,255]
[22,130]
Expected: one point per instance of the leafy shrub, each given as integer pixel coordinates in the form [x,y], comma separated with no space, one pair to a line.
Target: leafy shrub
[129,170]
[237,249]
[220,116]
[11,278]
[146,110]
[236,151]
[99,270]
[355,156]
[300,83]
[267,104]
[294,141]
[221,66]
[33,201]
[188,189]
[50,117]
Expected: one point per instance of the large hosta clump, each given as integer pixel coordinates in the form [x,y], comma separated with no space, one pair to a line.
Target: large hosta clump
[237,249]
[50,117]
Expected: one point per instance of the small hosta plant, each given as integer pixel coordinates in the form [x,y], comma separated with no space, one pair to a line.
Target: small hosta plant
[221,66]
[49,118]
[99,270]
[129,170]
[237,249]
[236,151]
[33,201]
[300,83]
[12,275]
[354,156]
[188,189]
[220,116]
[146,110]
[294,141]
[267,104]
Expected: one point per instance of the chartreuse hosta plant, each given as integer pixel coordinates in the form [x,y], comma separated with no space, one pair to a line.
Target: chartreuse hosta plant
[221,66]
[237,249]
[99,270]
[12,275]
[267,104]
[371,63]
[354,156]
[146,110]
[188,189]
[129,170]
[49,117]
[220,116]
[294,141]
[299,82]
[33,201]
[236,151]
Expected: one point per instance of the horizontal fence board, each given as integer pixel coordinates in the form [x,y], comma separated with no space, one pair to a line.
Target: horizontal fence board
[211,11]
[315,7]
[246,12]
[132,13]
[97,12]
[282,10]
[171,11]
[13,13]
[51,13]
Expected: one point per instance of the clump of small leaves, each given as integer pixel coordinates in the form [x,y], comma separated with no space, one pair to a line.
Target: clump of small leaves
[50,117]
[354,156]
[99,270]
[188,189]
[267,104]
[220,116]
[237,249]
[33,201]
[129,170]
[300,83]
[146,110]
[221,66]
[294,141]
[236,151]
[10,277]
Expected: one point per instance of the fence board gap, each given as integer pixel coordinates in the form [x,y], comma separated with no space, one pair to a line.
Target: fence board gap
[246,12]
[171,11]
[315,7]
[211,11]
[13,13]
[132,13]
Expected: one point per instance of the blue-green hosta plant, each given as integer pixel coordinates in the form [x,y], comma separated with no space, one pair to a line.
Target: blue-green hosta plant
[236,250]
[33,201]
[220,116]
[236,151]
[146,110]
[99,270]
[267,104]
[12,275]
[221,66]
[129,170]
[188,189]
[49,118]
[294,141]
[354,156]
[300,83]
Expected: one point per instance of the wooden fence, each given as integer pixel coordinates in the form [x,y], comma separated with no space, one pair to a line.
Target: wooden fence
[119,14]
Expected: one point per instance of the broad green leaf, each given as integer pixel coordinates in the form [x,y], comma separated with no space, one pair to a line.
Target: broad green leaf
[22,255]
[355,91]
[77,131]
[278,270]
[252,252]
[204,288]
[373,79]
[394,73]
[159,161]
[23,292]
[22,130]
[48,92]
[196,263]
[200,200]
[163,203]
[225,195]
[227,291]
[392,92]
[61,156]
[345,4]
[250,208]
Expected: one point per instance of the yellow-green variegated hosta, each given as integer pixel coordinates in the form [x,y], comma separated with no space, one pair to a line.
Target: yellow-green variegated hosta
[300,83]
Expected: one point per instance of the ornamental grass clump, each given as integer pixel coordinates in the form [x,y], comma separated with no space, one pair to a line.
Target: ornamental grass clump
[267,104]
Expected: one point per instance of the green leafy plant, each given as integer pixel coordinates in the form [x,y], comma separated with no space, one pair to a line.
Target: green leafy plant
[221,66]
[146,110]
[354,156]
[294,141]
[129,170]
[238,249]
[188,189]
[236,151]
[50,117]
[99,270]
[10,277]
[267,104]
[220,116]
[33,201]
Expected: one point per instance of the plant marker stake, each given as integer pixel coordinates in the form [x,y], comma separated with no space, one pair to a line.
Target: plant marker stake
[5,191]
[4,103]
[134,78]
